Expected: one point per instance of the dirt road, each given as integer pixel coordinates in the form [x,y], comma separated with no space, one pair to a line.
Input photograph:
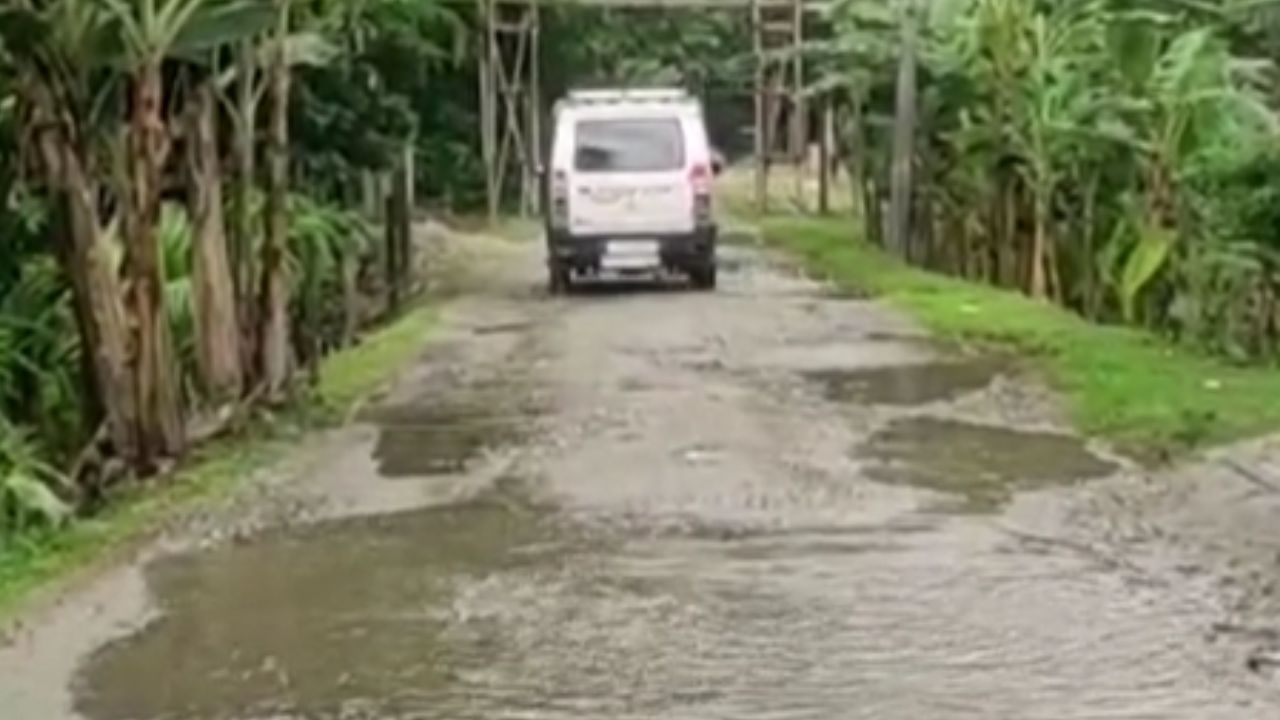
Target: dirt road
[767,502]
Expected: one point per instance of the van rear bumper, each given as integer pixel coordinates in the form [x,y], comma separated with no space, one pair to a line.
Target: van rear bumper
[685,251]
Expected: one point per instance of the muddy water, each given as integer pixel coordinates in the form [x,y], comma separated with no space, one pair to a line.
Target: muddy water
[335,618]
[684,544]
[484,610]
[441,437]
[983,465]
[828,622]
[906,384]
[444,426]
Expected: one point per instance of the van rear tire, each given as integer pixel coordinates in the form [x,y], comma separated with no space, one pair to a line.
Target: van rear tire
[703,278]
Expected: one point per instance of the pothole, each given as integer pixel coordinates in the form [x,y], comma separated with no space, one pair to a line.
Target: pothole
[306,622]
[437,449]
[441,437]
[983,465]
[905,384]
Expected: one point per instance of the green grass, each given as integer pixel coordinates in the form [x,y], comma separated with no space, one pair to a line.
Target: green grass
[347,377]
[1148,396]
[31,563]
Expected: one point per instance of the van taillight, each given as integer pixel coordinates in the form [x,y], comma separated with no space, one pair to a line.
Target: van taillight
[559,199]
[700,181]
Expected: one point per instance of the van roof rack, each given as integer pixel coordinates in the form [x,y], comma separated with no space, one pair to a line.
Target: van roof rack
[629,95]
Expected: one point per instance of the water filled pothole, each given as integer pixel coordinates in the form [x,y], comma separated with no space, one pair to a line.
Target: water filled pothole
[430,437]
[318,621]
[984,465]
[914,384]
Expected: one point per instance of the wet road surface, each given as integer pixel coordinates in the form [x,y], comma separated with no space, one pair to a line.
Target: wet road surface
[770,502]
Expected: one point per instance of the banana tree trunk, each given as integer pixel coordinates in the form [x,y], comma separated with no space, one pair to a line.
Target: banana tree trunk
[391,253]
[244,143]
[94,277]
[901,188]
[924,250]
[276,363]
[92,412]
[857,165]
[856,160]
[350,299]
[217,332]
[1006,242]
[160,430]
[1039,247]
[399,229]
[87,258]
[1088,269]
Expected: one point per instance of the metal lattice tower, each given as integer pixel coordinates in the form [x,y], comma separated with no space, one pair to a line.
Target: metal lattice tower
[510,105]
[781,120]
[510,137]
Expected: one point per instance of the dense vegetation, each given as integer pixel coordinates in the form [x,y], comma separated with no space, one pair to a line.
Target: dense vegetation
[177,180]
[1119,157]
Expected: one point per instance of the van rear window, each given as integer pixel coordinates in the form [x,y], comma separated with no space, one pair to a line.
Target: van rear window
[655,145]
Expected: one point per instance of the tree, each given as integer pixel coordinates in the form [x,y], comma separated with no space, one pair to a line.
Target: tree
[273,331]
[151,31]
[902,189]
[1079,149]
[274,352]
[217,323]
[56,49]
[103,105]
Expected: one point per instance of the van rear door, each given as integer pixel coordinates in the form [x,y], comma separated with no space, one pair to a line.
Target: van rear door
[629,177]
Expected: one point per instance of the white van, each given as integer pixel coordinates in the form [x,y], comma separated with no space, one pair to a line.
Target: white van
[629,187]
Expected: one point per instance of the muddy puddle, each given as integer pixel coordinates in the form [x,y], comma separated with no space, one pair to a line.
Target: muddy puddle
[914,384]
[443,435]
[494,609]
[332,620]
[981,465]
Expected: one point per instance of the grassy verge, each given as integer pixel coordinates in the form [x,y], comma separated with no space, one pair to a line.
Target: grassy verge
[30,563]
[1150,397]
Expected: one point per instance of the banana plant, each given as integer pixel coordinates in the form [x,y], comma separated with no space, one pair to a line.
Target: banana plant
[61,54]
[31,490]
[1185,94]
[151,31]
